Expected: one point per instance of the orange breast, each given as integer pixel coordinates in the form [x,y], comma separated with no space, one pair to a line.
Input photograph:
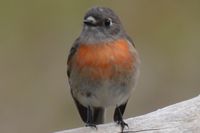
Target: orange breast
[104,60]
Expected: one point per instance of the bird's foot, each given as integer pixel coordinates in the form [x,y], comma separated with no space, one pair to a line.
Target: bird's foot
[122,124]
[91,125]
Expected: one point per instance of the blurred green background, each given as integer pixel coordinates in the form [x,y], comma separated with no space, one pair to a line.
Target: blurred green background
[35,38]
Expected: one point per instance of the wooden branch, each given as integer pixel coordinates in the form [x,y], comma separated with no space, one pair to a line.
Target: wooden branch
[183,117]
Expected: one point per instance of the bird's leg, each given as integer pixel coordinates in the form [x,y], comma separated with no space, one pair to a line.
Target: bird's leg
[89,122]
[118,116]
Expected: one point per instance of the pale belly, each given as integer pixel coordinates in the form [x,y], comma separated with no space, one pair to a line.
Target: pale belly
[103,93]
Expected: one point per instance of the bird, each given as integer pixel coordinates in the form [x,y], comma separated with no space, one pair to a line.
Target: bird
[102,67]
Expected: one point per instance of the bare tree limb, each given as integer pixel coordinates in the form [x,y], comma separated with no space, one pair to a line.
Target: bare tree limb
[183,117]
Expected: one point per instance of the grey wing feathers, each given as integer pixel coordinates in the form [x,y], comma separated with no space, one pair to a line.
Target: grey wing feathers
[129,39]
[71,54]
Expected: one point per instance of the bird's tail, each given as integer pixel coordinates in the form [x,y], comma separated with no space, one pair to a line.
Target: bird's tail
[98,115]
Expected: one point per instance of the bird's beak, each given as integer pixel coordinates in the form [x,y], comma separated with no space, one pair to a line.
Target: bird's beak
[90,21]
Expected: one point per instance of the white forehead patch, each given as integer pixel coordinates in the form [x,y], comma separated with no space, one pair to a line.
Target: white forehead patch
[100,9]
[91,19]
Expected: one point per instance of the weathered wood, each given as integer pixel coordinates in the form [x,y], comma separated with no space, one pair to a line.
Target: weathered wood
[183,117]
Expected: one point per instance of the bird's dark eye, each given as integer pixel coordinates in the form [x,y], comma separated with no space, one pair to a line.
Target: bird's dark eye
[108,22]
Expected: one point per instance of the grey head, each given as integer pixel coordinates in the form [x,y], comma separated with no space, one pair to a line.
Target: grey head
[101,24]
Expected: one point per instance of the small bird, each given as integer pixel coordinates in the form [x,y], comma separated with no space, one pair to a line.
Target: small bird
[102,67]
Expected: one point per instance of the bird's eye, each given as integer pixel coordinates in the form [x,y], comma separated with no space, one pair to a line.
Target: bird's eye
[108,22]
